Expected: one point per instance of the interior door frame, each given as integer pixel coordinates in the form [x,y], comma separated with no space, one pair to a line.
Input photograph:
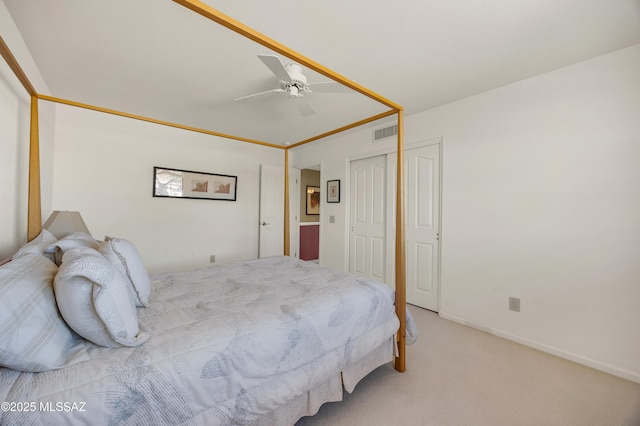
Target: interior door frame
[390,226]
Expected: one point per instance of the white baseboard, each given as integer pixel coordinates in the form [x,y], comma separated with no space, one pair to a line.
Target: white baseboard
[610,369]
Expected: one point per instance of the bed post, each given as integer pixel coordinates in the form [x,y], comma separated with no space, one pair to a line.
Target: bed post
[401,291]
[286,203]
[34,215]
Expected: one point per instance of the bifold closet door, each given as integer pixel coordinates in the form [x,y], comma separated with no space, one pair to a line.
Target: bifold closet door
[368,193]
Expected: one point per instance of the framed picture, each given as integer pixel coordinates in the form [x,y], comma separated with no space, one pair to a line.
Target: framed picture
[178,183]
[313,200]
[333,191]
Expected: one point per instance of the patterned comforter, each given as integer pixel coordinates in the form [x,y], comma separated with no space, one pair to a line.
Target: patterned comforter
[228,344]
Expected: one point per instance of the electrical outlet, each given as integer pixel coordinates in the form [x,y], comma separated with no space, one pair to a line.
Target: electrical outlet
[212,258]
[514,304]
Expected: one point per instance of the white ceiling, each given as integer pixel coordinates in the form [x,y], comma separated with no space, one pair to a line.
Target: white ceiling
[157,59]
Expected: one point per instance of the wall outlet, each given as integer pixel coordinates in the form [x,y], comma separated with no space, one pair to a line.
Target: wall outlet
[514,304]
[212,258]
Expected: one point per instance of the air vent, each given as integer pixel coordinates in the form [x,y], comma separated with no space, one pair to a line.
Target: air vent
[385,132]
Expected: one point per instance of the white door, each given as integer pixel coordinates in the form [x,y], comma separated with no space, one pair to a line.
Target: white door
[422,204]
[271,211]
[368,217]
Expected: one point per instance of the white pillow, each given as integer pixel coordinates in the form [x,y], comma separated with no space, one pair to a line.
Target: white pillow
[73,240]
[38,246]
[94,300]
[124,255]
[33,336]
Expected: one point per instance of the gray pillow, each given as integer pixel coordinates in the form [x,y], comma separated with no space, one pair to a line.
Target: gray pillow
[95,301]
[33,336]
[124,255]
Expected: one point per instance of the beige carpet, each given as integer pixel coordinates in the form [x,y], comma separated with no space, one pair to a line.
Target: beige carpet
[457,375]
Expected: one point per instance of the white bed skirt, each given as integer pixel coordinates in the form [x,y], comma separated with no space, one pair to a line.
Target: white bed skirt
[310,402]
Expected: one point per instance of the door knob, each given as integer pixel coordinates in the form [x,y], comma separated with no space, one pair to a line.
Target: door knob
[264,223]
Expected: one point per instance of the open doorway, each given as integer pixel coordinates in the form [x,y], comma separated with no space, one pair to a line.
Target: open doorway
[310,211]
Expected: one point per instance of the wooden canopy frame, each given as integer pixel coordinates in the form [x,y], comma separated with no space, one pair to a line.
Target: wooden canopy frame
[34,223]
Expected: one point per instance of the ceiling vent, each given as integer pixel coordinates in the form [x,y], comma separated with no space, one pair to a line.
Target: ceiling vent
[385,132]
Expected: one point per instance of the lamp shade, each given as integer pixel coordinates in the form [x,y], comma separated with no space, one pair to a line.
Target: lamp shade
[63,223]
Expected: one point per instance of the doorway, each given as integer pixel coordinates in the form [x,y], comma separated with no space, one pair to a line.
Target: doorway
[310,211]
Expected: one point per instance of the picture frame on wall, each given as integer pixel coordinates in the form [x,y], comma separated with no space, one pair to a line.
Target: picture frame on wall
[177,183]
[313,200]
[333,191]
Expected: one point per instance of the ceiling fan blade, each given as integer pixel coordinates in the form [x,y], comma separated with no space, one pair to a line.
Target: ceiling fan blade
[329,87]
[259,95]
[303,106]
[276,67]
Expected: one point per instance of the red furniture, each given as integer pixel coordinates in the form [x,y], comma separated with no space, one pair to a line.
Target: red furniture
[309,242]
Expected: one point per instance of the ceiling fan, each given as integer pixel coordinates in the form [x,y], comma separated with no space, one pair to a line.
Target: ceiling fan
[294,83]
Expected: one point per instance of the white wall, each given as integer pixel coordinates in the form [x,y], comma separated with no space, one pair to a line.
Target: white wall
[15,106]
[104,169]
[541,201]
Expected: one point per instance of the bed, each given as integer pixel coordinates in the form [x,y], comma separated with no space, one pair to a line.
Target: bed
[179,363]
[215,17]
[263,341]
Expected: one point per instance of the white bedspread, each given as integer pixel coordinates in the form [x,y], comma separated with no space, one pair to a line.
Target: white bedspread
[228,344]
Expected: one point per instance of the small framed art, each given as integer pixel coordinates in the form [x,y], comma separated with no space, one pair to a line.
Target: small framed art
[176,183]
[333,191]
[313,200]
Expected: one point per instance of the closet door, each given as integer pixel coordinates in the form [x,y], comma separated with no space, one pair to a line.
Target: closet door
[422,206]
[368,217]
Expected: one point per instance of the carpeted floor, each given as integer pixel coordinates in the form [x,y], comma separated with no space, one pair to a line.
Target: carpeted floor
[457,375]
